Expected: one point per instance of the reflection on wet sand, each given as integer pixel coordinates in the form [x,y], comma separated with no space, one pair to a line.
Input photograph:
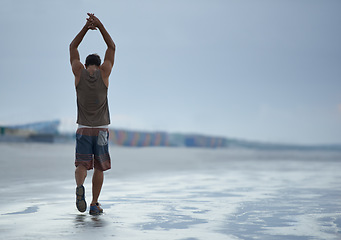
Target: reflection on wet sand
[87,221]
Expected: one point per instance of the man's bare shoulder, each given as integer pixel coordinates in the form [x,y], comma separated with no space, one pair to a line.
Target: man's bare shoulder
[77,67]
[106,68]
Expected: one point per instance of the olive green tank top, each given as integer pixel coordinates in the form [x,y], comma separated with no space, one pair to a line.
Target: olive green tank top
[92,100]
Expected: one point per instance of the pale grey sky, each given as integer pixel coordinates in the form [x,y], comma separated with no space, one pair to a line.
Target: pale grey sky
[257,70]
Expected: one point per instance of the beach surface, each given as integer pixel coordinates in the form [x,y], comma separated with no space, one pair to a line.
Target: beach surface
[173,193]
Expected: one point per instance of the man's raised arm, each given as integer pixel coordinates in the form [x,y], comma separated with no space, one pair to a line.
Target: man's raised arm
[74,54]
[109,57]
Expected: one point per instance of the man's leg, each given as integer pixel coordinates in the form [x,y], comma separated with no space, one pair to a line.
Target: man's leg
[80,175]
[101,163]
[97,182]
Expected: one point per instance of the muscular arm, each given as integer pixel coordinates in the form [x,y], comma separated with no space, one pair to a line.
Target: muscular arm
[74,54]
[109,57]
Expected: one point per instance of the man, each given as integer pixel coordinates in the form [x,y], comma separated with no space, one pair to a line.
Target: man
[93,118]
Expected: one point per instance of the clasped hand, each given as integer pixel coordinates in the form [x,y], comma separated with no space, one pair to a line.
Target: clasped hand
[92,21]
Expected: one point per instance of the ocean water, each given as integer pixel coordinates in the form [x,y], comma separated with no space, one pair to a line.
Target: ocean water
[173,193]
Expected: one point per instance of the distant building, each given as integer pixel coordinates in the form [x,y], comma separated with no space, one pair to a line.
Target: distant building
[142,139]
[204,141]
[36,132]
[138,138]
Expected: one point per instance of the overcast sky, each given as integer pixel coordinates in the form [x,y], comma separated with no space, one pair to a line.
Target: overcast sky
[256,70]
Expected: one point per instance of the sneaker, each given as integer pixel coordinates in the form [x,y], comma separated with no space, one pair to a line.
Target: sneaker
[80,198]
[95,209]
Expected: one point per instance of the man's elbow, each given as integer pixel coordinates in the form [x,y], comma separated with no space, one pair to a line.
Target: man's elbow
[72,46]
[112,46]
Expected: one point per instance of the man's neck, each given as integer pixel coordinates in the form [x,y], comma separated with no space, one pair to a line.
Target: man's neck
[92,68]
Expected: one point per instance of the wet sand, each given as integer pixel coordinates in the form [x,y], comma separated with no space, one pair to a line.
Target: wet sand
[173,193]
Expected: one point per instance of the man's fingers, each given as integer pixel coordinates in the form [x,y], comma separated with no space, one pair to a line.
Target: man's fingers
[93,21]
[91,15]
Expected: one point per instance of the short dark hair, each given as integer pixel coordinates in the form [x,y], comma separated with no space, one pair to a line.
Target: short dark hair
[93,59]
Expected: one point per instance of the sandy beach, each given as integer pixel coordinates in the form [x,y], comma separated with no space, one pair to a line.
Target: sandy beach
[173,193]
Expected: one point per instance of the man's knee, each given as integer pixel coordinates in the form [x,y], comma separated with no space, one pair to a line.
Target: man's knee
[98,169]
[80,168]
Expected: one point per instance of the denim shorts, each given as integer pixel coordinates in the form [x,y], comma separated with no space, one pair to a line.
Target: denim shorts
[92,149]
